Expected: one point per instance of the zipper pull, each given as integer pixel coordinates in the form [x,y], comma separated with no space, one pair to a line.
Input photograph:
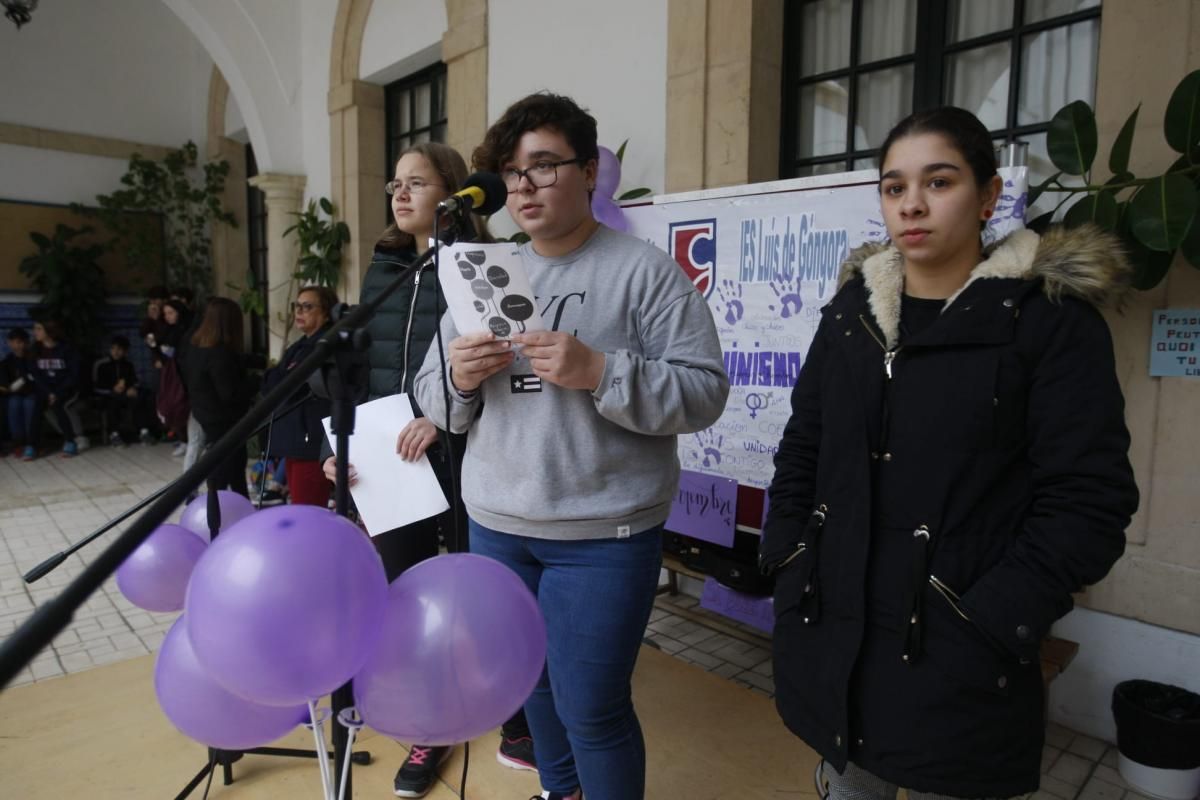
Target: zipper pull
[888,358]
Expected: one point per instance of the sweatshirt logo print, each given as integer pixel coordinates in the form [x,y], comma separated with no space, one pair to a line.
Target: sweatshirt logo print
[524,384]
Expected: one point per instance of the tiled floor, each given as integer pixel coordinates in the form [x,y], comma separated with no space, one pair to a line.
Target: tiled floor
[49,503]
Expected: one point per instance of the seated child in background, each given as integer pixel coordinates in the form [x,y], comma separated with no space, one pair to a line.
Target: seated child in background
[17,393]
[115,381]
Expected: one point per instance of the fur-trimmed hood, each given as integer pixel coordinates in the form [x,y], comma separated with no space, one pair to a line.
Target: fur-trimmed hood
[1085,262]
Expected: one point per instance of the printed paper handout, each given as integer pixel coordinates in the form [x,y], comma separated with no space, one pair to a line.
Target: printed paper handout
[390,492]
[487,289]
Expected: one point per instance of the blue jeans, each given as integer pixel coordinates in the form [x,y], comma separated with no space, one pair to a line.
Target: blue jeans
[23,418]
[596,596]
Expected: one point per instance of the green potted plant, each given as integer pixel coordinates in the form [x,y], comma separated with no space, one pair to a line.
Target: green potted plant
[1154,216]
[187,196]
[321,240]
[70,280]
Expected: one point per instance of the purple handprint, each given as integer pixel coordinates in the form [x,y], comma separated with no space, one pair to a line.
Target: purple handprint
[730,294]
[709,442]
[788,293]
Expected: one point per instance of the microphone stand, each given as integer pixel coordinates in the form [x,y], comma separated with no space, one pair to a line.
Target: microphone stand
[50,619]
[53,562]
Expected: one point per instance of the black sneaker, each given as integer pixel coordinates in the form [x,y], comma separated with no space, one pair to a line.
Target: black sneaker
[576,795]
[517,753]
[419,771]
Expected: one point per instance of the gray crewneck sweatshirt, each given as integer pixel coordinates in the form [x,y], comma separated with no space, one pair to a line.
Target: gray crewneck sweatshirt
[555,463]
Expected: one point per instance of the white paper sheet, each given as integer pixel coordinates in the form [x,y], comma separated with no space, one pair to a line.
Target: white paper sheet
[487,289]
[390,492]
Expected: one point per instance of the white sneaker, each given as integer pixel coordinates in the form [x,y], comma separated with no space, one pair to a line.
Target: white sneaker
[180,450]
[83,443]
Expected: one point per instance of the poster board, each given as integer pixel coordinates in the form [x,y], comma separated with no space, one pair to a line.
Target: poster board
[19,218]
[766,257]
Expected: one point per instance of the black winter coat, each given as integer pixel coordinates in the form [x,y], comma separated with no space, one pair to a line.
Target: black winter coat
[388,359]
[219,388]
[298,434]
[936,501]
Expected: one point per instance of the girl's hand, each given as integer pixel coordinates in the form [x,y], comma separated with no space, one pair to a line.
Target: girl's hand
[416,438]
[330,470]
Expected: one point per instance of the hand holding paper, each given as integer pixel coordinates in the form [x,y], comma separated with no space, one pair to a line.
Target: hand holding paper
[389,492]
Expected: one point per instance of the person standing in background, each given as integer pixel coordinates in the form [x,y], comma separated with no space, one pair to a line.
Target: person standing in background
[297,435]
[213,366]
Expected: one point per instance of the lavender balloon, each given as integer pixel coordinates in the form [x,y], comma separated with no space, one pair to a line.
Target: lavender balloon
[463,645]
[202,710]
[233,508]
[609,213]
[155,576]
[608,173]
[286,605]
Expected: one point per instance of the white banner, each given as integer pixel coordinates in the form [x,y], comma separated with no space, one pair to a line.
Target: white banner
[766,256]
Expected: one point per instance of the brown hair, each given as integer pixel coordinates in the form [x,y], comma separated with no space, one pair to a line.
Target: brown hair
[222,325]
[326,297]
[452,169]
[540,110]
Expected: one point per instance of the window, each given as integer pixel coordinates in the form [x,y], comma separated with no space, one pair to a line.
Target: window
[853,68]
[256,275]
[416,111]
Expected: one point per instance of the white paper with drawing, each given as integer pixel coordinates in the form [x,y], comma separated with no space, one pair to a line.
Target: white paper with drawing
[487,289]
[390,492]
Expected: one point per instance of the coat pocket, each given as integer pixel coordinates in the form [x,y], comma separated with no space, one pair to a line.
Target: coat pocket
[797,581]
[959,648]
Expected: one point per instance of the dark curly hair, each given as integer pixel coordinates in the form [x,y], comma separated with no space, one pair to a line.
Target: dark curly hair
[540,110]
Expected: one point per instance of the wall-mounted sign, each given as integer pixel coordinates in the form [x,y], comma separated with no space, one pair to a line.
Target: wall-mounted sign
[1175,343]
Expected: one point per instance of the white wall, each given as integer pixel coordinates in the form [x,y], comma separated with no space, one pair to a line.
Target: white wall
[315,46]
[257,46]
[1113,649]
[401,38]
[87,67]
[610,57]
[50,176]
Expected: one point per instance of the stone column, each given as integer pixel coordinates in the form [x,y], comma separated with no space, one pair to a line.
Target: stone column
[356,118]
[723,85]
[284,195]
[465,53]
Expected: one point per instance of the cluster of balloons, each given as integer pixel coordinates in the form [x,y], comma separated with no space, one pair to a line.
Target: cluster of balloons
[290,602]
[608,178]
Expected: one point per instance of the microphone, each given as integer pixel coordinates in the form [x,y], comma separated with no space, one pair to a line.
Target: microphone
[482,192]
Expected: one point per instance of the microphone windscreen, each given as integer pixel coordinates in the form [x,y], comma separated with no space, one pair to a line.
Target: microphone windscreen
[494,192]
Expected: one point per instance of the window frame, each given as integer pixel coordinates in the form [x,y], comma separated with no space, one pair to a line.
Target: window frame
[932,49]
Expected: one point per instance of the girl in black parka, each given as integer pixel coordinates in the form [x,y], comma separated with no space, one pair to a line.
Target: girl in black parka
[955,467]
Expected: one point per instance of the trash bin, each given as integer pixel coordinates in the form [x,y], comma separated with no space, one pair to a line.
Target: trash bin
[1158,738]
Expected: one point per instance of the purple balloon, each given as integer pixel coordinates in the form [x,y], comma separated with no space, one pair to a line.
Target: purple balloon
[608,174]
[202,710]
[609,213]
[233,508]
[155,576]
[286,605]
[463,645]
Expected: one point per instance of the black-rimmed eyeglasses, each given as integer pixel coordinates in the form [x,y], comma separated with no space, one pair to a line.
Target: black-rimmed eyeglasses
[541,174]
